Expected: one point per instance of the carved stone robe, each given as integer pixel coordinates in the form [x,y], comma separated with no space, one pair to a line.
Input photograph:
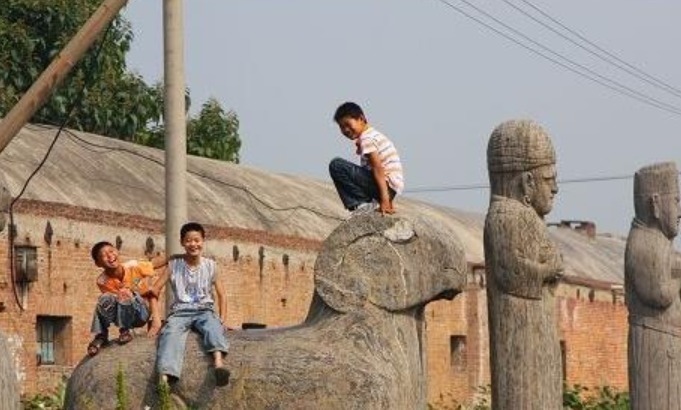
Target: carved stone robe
[524,347]
[652,296]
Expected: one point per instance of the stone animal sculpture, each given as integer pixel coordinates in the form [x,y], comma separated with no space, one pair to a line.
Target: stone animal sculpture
[9,385]
[523,265]
[652,283]
[361,346]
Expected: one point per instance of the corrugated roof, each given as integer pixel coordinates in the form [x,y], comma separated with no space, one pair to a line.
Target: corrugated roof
[102,173]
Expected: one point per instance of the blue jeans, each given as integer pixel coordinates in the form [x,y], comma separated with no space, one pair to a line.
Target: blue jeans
[170,353]
[355,184]
[126,315]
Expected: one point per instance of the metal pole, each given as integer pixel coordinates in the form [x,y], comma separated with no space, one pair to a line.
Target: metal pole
[42,88]
[175,127]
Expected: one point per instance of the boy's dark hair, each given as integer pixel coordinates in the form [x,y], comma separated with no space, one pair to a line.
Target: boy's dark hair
[192,227]
[94,252]
[348,109]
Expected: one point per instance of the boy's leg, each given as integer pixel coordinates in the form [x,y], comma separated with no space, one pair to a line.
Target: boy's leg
[131,313]
[212,331]
[215,342]
[171,343]
[105,314]
[355,185]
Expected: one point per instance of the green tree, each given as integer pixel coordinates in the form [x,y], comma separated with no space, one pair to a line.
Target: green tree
[213,133]
[110,100]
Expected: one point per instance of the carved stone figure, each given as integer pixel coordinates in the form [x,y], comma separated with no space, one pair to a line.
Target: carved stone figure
[523,266]
[9,386]
[360,347]
[653,285]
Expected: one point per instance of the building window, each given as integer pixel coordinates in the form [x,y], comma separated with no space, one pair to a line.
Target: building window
[457,352]
[53,336]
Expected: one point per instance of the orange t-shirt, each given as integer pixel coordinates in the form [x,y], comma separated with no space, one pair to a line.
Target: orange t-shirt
[137,277]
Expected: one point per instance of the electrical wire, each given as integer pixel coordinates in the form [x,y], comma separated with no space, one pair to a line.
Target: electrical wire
[69,113]
[669,107]
[474,187]
[252,196]
[663,84]
[591,76]
[609,60]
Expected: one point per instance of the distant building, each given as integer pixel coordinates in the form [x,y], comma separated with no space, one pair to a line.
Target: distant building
[265,230]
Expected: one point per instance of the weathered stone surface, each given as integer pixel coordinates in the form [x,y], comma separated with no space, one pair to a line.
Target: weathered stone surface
[9,386]
[361,346]
[653,286]
[522,264]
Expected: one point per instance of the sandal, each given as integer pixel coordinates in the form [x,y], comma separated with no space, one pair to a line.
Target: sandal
[221,376]
[124,336]
[96,344]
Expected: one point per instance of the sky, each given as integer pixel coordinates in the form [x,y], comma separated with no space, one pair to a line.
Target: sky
[437,83]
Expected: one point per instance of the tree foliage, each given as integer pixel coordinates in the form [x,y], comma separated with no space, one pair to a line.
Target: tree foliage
[109,99]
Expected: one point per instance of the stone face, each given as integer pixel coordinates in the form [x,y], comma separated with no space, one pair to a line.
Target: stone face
[522,265]
[653,286]
[361,346]
[9,386]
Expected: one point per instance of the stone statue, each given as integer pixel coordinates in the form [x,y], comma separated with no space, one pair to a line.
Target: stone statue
[523,266]
[361,346]
[9,386]
[653,284]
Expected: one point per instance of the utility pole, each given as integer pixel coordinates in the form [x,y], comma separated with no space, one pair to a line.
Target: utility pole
[54,74]
[175,122]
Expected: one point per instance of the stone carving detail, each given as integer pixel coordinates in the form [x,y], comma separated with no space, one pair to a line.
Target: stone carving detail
[361,346]
[523,266]
[653,285]
[9,386]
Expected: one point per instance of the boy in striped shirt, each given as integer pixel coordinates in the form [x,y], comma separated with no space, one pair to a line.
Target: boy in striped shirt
[373,184]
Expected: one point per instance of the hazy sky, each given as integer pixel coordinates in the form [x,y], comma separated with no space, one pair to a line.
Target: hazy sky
[436,83]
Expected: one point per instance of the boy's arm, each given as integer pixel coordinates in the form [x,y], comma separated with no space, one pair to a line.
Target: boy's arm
[386,206]
[161,261]
[221,297]
[155,317]
[160,283]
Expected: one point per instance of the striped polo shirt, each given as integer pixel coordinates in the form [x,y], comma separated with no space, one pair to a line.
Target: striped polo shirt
[373,141]
[192,286]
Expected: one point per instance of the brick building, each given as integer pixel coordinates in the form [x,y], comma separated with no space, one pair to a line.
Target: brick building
[264,230]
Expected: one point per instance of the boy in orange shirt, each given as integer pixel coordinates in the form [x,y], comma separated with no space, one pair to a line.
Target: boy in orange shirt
[125,300]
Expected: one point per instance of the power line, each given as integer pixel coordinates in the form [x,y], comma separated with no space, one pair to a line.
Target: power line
[252,196]
[661,84]
[592,76]
[581,66]
[600,56]
[67,118]
[473,187]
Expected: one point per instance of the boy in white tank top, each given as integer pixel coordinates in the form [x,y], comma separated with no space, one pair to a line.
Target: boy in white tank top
[193,278]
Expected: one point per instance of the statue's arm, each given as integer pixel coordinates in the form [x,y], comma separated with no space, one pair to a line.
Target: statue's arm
[548,271]
[676,266]
[655,285]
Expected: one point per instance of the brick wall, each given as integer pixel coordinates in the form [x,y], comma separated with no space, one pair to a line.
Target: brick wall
[269,280]
[592,324]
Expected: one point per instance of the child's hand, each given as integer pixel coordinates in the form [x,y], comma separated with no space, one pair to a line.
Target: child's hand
[386,207]
[154,327]
[124,295]
[151,293]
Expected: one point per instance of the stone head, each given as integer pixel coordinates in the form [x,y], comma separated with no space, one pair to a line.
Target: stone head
[656,197]
[522,164]
[392,263]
